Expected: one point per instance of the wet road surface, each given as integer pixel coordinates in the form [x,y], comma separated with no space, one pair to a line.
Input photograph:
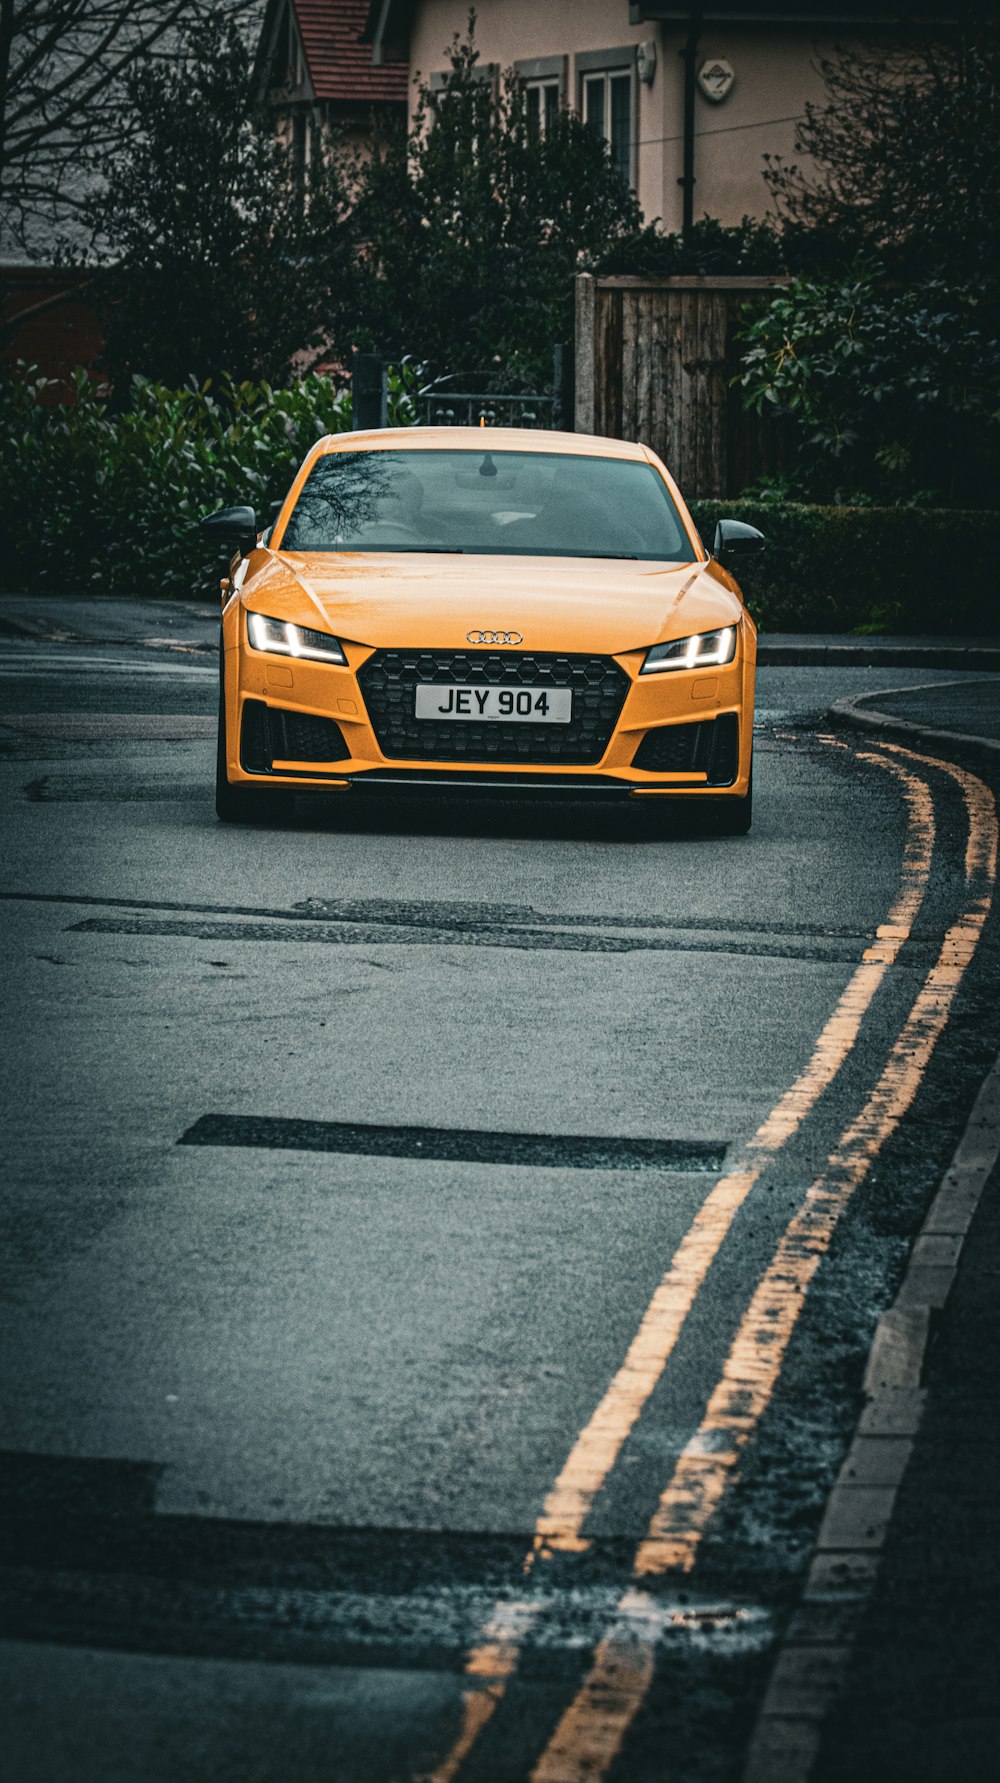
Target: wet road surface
[440,1249]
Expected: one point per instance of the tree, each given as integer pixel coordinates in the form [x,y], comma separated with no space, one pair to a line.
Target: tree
[906,153]
[886,357]
[220,262]
[63,68]
[469,229]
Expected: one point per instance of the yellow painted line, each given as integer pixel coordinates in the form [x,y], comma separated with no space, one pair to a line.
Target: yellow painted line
[593,1728]
[566,1506]
[490,1664]
[758,1350]
[599,1444]
[981,848]
[585,1744]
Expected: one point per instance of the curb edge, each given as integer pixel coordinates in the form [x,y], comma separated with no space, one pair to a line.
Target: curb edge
[848,713]
[812,1662]
[868,656]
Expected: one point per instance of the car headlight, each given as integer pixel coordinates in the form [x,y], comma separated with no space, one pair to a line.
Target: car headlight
[706,650]
[283,639]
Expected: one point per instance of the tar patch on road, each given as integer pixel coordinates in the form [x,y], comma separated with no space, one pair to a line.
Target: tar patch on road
[86,1559]
[49,789]
[390,935]
[458,1145]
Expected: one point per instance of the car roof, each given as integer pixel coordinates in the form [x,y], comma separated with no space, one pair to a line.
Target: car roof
[474,439]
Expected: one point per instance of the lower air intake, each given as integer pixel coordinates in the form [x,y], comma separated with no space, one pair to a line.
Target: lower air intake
[711,747]
[271,734]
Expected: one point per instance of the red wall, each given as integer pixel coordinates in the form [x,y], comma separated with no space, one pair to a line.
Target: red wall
[60,337]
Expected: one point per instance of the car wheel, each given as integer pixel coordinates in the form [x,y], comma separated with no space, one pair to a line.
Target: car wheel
[733,816]
[241,804]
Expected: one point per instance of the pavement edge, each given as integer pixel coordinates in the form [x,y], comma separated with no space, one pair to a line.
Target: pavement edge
[812,1664]
[850,712]
[876,653]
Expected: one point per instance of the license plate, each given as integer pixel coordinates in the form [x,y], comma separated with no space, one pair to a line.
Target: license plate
[500,705]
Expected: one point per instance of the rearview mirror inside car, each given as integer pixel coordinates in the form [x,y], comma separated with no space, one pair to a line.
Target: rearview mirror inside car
[733,538]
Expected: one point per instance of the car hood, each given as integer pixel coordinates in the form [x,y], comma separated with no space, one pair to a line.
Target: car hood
[428,601]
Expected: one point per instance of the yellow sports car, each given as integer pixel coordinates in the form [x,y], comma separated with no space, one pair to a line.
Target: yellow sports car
[456,610]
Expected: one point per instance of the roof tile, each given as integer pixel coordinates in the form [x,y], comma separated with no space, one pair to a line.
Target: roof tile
[340,65]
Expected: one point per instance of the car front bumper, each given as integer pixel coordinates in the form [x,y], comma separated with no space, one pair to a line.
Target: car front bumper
[670,721]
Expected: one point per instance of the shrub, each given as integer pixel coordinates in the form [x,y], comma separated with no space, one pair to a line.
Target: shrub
[894,393]
[108,503]
[905,570]
[709,248]
[104,503]
[902,160]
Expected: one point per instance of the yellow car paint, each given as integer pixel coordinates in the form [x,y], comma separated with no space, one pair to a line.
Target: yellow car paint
[569,605]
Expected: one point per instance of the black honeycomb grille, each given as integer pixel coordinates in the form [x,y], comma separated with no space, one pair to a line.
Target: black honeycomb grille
[389,678]
[272,734]
[710,747]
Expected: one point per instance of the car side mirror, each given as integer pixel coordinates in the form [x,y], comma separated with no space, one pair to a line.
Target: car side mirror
[232,527]
[733,538]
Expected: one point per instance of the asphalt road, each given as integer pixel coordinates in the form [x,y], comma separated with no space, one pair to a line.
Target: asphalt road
[387,1203]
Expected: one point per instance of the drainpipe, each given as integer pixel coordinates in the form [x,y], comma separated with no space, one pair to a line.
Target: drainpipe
[689,56]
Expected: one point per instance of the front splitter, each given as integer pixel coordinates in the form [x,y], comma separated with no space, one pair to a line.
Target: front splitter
[404,781]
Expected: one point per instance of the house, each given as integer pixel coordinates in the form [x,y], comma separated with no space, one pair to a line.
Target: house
[311,67]
[689,98]
[316,73]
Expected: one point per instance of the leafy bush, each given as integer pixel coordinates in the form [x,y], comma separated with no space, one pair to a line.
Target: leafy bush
[903,158]
[105,503]
[709,248]
[895,393]
[108,503]
[903,570]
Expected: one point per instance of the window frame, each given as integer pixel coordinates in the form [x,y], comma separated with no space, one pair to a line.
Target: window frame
[486,73]
[540,73]
[589,64]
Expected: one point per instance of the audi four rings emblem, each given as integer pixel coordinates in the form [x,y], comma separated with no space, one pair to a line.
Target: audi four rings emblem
[494,637]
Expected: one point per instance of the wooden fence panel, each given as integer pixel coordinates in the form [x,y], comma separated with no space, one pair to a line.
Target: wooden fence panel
[655,361]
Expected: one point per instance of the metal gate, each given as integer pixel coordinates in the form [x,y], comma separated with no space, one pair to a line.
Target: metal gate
[493,398]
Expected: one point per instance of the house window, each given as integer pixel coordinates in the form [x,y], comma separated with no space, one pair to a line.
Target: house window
[541,98]
[607,108]
[608,102]
[544,82]
[305,148]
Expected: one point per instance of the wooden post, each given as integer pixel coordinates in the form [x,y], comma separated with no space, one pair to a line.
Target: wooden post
[583,406]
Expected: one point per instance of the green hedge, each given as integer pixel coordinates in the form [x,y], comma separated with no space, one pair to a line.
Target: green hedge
[98,502]
[904,570]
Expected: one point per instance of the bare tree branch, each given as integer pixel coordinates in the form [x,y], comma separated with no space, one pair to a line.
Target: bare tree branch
[63,69]
[903,158]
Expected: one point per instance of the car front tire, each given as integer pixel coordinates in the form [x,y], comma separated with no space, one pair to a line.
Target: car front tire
[732,815]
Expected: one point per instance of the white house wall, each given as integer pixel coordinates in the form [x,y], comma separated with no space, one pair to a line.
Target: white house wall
[776,73]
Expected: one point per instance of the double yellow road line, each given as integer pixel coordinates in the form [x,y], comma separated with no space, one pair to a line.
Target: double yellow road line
[592,1729]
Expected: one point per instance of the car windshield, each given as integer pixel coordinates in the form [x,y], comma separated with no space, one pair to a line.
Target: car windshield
[546,504]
